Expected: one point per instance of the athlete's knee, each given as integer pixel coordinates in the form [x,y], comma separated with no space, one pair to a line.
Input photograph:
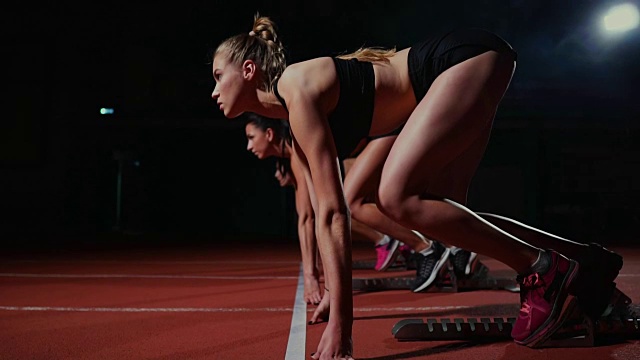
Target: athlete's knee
[390,203]
[355,206]
[352,201]
[305,218]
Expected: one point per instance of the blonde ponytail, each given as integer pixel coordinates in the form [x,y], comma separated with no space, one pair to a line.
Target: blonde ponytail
[370,54]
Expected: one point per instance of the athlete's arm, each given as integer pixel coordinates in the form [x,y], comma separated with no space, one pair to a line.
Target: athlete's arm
[312,136]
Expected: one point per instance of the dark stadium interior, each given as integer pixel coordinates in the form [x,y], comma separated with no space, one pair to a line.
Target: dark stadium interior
[564,154]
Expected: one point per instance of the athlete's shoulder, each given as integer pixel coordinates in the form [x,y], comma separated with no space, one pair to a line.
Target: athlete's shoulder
[308,67]
[312,75]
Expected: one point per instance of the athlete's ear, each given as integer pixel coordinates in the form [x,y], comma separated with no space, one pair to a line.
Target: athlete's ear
[248,69]
[270,135]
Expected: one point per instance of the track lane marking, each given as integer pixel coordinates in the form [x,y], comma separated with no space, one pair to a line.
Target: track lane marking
[168,276]
[149,262]
[143,276]
[216,309]
[296,345]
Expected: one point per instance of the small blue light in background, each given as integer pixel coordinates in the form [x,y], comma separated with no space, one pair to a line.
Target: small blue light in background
[106,111]
[136,163]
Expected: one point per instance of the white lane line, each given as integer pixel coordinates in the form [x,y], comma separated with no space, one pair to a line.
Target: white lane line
[296,345]
[150,276]
[139,310]
[148,262]
[302,308]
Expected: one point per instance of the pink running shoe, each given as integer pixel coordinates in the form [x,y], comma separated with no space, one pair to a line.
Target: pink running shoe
[544,301]
[387,254]
[405,251]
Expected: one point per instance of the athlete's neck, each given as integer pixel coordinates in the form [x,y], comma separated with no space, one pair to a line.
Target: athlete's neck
[268,105]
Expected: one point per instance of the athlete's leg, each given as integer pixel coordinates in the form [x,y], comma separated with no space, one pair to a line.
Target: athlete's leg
[360,184]
[456,111]
[454,114]
[599,266]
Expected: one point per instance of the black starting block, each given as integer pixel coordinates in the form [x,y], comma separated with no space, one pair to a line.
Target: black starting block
[371,264]
[363,264]
[446,281]
[619,321]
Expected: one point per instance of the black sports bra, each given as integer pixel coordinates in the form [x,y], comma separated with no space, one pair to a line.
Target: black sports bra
[350,121]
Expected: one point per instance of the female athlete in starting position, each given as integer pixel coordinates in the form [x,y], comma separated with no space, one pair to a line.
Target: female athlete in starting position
[444,92]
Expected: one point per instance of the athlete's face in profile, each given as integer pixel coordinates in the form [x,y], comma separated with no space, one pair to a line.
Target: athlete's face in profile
[259,141]
[229,86]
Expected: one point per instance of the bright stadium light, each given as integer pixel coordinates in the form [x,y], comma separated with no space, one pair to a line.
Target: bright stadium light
[621,18]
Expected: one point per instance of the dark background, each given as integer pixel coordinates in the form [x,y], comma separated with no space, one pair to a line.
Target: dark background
[564,155]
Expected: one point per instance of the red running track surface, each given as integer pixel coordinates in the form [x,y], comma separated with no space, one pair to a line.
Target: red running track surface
[232,303]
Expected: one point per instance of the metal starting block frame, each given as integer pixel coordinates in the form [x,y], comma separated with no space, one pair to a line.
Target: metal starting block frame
[446,281]
[619,321]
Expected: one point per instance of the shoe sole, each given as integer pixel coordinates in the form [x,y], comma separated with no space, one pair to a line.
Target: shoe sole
[393,254]
[554,322]
[436,270]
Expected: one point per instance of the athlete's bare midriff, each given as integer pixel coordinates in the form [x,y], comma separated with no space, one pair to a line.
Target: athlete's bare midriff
[394,99]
